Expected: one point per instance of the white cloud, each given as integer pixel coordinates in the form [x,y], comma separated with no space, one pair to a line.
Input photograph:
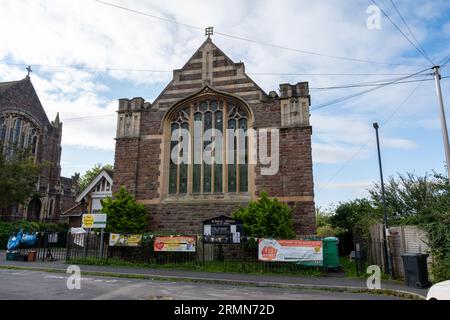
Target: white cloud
[339,139]
[89,34]
[328,154]
[75,94]
[358,185]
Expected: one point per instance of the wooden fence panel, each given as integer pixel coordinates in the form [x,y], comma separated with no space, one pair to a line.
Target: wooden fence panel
[402,239]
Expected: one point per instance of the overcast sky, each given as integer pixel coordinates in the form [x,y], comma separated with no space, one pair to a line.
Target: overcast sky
[88,34]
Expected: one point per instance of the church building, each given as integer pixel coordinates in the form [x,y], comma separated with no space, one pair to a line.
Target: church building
[24,124]
[208,96]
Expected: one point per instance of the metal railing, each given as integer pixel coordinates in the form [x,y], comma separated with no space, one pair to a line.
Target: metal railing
[239,257]
[49,246]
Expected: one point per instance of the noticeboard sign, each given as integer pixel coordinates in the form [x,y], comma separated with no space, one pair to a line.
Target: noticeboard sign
[289,250]
[97,220]
[52,237]
[222,229]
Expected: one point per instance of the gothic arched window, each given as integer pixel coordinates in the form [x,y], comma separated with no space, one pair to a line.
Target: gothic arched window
[2,129]
[17,130]
[208,147]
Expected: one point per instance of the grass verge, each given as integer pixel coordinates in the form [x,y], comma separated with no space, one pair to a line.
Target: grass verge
[213,266]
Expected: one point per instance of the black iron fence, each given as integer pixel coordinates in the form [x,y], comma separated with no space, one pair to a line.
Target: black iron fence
[49,246]
[199,253]
[232,257]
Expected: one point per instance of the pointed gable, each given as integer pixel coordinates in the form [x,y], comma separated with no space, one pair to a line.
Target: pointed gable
[21,96]
[209,66]
[102,184]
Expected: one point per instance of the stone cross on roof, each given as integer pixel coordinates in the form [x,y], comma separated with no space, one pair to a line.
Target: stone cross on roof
[29,70]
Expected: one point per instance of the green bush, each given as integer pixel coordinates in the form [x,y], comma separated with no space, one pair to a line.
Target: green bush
[266,218]
[124,214]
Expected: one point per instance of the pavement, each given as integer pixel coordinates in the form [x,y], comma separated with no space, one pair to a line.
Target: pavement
[330,283]
[39,285]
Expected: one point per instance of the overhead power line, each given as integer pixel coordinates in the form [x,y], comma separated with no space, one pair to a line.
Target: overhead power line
[90,116]
[410,32]
[113,114]
[444,61]
[342,99]
[400,30]
[371,84]
[250,40]
[324,74]
[362,147]
[108,69]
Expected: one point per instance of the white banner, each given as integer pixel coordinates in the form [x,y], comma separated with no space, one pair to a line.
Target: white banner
[289,250]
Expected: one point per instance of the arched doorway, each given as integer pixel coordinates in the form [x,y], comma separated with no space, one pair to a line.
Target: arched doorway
[34,210]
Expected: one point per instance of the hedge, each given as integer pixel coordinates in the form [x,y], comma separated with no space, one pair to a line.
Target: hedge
[8,228]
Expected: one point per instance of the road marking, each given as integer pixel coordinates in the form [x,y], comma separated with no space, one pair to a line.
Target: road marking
[88,279]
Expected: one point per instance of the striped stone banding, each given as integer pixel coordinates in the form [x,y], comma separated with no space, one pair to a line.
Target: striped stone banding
[192,66]
[222,74]
[197,76]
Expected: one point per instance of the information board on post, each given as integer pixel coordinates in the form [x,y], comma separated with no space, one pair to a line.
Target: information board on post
[289,250]
[97,220]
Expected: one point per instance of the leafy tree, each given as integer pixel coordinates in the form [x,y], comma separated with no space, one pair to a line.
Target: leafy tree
[90,175]
[355,217]
[353,220]
[423,201]
[18,177]
[410,200]
[124,214]
[266,218]
[324,227]
[413,199]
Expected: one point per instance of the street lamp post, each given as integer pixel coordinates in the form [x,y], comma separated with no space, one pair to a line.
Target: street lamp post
[387,252]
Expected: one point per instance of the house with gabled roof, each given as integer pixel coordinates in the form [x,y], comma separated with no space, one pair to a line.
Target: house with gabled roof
[89,199]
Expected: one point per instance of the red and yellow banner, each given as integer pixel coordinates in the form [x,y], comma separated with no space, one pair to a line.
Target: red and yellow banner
[175,244]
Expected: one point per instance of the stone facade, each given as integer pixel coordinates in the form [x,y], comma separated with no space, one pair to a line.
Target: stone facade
[24,124]
[142,152]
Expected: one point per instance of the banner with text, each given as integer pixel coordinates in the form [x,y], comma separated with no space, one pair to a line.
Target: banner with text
[124,240]
[175,244]
[90,221]
[289,250]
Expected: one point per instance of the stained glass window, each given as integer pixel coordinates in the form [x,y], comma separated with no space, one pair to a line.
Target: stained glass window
[209,120]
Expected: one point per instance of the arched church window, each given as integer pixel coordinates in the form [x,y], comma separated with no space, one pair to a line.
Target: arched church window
[50,208]
[17,130]
[211,164]
[2,129]
[34,145]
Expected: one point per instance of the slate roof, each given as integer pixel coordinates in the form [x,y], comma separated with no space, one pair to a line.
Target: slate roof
[21,96]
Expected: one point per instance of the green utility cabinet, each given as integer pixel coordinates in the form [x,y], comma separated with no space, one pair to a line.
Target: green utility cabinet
[330,253]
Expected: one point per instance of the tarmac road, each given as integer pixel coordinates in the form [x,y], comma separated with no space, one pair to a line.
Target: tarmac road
[37,285]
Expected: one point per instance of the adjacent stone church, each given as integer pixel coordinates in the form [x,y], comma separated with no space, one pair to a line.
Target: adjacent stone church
[209,96]
[24,124]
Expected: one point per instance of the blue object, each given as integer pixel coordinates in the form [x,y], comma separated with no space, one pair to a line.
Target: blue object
[14,241]
[29,239]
